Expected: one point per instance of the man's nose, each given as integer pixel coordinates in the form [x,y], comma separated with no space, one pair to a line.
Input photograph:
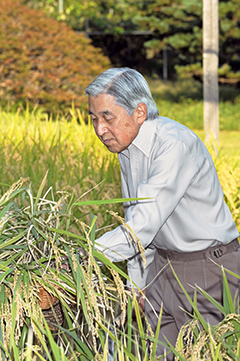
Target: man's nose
[101,127]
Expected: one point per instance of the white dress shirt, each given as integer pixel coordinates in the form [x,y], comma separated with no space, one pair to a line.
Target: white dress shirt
[186,213]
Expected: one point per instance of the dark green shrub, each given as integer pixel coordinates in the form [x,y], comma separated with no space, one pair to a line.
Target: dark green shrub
[43,62]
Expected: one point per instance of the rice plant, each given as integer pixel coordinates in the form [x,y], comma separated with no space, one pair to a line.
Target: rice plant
[60,299]
[68,151]
[59,303]
[51,277]
[198,340]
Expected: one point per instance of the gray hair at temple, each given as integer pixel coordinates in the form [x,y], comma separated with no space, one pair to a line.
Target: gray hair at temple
[127,86]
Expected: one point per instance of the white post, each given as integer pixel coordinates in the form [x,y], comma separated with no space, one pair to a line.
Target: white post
[60,6]
[210,70]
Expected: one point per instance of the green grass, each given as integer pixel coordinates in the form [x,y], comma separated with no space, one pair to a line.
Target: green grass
[190,113]
[228,142]
[183,102]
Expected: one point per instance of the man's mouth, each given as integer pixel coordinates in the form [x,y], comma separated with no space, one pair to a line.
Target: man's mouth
[107,141]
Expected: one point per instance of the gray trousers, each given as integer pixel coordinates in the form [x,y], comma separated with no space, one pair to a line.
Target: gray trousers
[192,269]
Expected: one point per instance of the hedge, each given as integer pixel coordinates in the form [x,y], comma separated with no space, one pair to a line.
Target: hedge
[43,62]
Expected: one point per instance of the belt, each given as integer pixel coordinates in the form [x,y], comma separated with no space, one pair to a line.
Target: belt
[210,252]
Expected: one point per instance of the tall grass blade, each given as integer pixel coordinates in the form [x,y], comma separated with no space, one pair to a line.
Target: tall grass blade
[200,318]
[140,324]
[39,193]
[3,350]
[85,352]
[29,344]
[155,340]
[213,301]
[12,240]
[16,352]
[228,303]
[119,344]
[108,201]
[129,324]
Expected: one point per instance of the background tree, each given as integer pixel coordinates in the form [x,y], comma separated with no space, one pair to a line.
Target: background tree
[108,16]
[43,62]
[175,25]
[107,23]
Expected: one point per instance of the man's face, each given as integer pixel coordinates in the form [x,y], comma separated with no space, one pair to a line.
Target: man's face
[113,126]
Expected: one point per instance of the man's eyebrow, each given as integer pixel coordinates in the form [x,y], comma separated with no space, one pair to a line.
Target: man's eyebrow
[106,112]
[103,112]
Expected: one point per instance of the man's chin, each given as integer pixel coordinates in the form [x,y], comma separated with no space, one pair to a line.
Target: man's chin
[112,149]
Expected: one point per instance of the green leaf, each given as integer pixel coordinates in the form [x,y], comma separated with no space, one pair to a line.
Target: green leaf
[129,324]
[16,352]
[228,303]
[212,300]
[29,343]
[108,201]
[40,190]
[140,324]
[12,240]
[119,343]
[5,210]
[155,342]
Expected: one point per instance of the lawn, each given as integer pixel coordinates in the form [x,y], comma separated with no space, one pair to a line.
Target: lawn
[228,142]
[182,101]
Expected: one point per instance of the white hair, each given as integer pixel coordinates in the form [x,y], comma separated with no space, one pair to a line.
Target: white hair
[127,86]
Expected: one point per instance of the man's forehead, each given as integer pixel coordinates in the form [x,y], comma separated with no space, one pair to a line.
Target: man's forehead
[103,104]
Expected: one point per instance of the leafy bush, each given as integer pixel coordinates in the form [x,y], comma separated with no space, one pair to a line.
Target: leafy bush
[44,62]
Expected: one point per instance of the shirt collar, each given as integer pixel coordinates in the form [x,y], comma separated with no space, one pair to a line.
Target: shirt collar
[144,139]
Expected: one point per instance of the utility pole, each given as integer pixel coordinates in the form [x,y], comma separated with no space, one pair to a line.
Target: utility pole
[210,71]
[60,6]
[165,65]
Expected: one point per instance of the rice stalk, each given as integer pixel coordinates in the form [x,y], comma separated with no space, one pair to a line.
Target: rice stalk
[132,237]
[210,341]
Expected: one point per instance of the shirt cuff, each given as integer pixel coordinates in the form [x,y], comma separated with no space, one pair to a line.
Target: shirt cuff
[137,272]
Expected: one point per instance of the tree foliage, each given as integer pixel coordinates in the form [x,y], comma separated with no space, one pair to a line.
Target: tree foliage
[42,61]
[176,25]
[108,16]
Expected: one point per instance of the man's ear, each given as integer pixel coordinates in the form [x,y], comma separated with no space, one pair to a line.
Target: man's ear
[141,113]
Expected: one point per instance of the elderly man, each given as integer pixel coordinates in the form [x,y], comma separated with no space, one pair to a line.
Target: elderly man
[184,220]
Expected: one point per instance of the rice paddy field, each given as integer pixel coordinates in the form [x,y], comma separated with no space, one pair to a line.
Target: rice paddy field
[57,183]
[31,144]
